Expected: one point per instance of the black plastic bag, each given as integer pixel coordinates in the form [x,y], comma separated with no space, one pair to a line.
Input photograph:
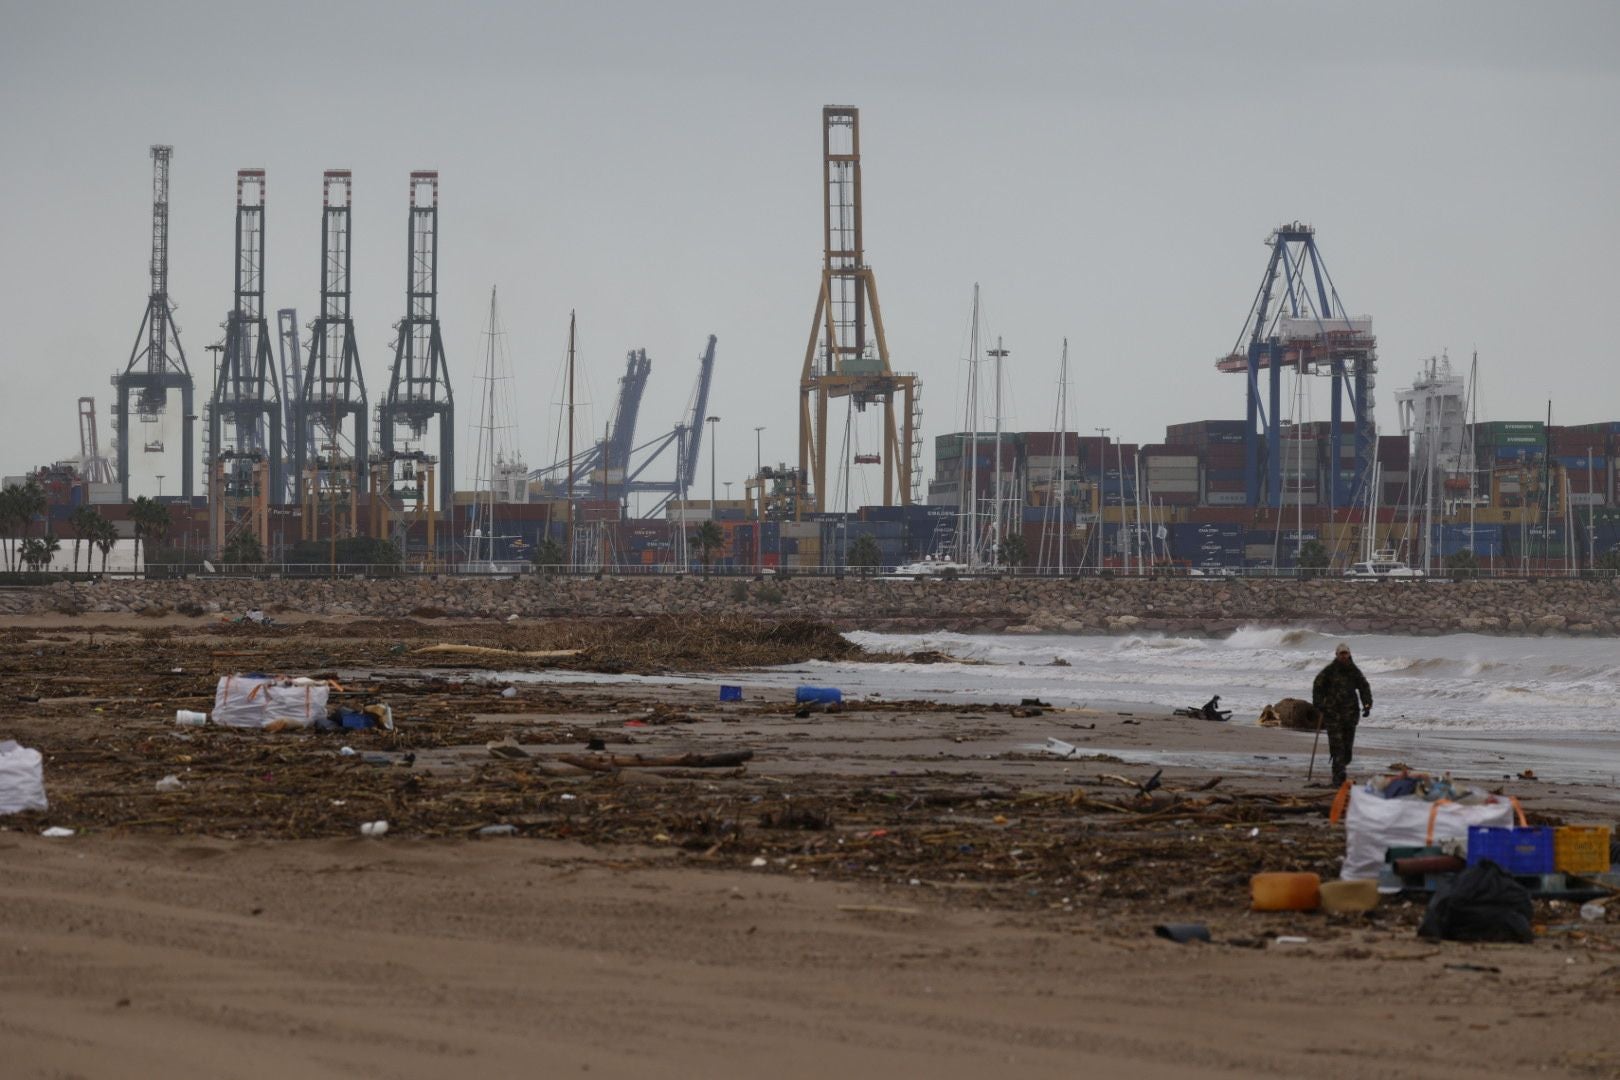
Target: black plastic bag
[1483,903]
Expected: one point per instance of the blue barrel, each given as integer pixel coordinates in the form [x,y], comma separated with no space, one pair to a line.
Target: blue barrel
[818,695]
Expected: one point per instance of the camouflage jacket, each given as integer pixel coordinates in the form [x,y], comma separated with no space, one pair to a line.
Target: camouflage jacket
[1337,687]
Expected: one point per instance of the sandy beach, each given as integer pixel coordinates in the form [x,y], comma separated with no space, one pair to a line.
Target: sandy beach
[903,887]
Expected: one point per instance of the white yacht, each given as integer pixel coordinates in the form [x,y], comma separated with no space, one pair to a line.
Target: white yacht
[1383,564]
[932,566]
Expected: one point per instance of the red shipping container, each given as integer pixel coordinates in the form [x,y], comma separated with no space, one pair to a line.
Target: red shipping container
[1045,443]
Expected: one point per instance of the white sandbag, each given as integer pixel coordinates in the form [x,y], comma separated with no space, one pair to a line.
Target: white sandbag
[22,779]
[1374,824]
[258,701]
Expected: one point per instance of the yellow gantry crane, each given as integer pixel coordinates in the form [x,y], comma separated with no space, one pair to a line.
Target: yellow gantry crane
[848,355]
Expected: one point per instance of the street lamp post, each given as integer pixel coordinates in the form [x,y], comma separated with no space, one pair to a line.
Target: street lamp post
[759,494]
[713,421]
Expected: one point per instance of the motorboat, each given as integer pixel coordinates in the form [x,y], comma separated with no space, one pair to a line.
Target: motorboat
[933,566]
[1383,564]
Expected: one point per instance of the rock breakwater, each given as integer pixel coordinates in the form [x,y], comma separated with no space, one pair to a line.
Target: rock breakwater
[1030,605]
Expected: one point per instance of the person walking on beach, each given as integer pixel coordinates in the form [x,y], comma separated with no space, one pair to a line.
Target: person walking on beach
[1336,692]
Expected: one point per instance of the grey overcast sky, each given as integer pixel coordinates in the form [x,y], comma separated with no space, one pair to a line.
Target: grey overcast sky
[1107,172]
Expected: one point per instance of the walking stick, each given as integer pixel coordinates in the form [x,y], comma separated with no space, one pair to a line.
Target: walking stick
[1321,717]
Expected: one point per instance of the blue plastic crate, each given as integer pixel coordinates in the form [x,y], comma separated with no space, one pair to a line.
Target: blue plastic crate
[1516,850]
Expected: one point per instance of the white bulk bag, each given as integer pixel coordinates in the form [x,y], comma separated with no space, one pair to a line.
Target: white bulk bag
[259,701]
[22,779]
[1374,824]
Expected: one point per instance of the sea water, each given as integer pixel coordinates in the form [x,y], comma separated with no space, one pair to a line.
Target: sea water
[1486,706]
[1454,681]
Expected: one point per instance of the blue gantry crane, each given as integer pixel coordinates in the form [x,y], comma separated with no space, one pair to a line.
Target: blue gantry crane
[1299,322]
[614,466]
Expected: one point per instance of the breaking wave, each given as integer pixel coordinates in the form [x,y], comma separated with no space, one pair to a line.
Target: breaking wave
[1466,681]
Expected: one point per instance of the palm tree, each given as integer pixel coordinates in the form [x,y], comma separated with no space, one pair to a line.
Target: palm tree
[10,517]
[243,549]
[1313,558]
[19,505]
[864,553]
[708,540]
[548,556]
[105,537]
[1014,550]
[83,522]
[38,552]
[151,524]
[33,504]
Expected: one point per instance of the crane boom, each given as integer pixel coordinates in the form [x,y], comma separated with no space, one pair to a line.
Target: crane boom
[621,432]
[700,409]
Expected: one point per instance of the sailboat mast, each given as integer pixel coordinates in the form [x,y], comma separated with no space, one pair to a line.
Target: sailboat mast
[1472,460]
[1546,494]
[995,529]
[1119,467]
[570,488]
[1136,487]
[1063,447]
[489,435]
[973,435]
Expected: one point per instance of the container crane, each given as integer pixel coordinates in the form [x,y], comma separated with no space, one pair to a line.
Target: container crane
[1303,326]
[848,355]
[157,362]
[244,413]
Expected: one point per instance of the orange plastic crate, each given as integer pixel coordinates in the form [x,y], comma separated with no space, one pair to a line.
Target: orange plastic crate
[1581,849]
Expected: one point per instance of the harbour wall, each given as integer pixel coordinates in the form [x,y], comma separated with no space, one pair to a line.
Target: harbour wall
[1021,605]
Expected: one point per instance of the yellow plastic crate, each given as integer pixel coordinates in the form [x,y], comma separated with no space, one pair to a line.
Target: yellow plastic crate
[1581,849]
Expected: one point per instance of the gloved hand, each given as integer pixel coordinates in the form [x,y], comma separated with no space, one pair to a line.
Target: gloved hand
[1367,711]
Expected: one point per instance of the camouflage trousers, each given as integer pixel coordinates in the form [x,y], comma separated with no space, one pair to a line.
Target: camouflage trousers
[1341,733]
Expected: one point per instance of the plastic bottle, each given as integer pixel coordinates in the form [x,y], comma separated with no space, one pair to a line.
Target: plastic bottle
[188,718]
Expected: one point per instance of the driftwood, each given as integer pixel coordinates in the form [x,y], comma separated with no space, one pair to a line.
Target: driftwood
[612,762]
[515,654]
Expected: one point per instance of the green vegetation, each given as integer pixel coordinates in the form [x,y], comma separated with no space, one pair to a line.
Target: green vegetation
[1462,564]
[864,554]
[1014,551]
[83,521]
[37,552]
[378,556]
[708,539]
[19,506]
[243,549]
[1313,559]
[151,520]
[104,535]
[548,556]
